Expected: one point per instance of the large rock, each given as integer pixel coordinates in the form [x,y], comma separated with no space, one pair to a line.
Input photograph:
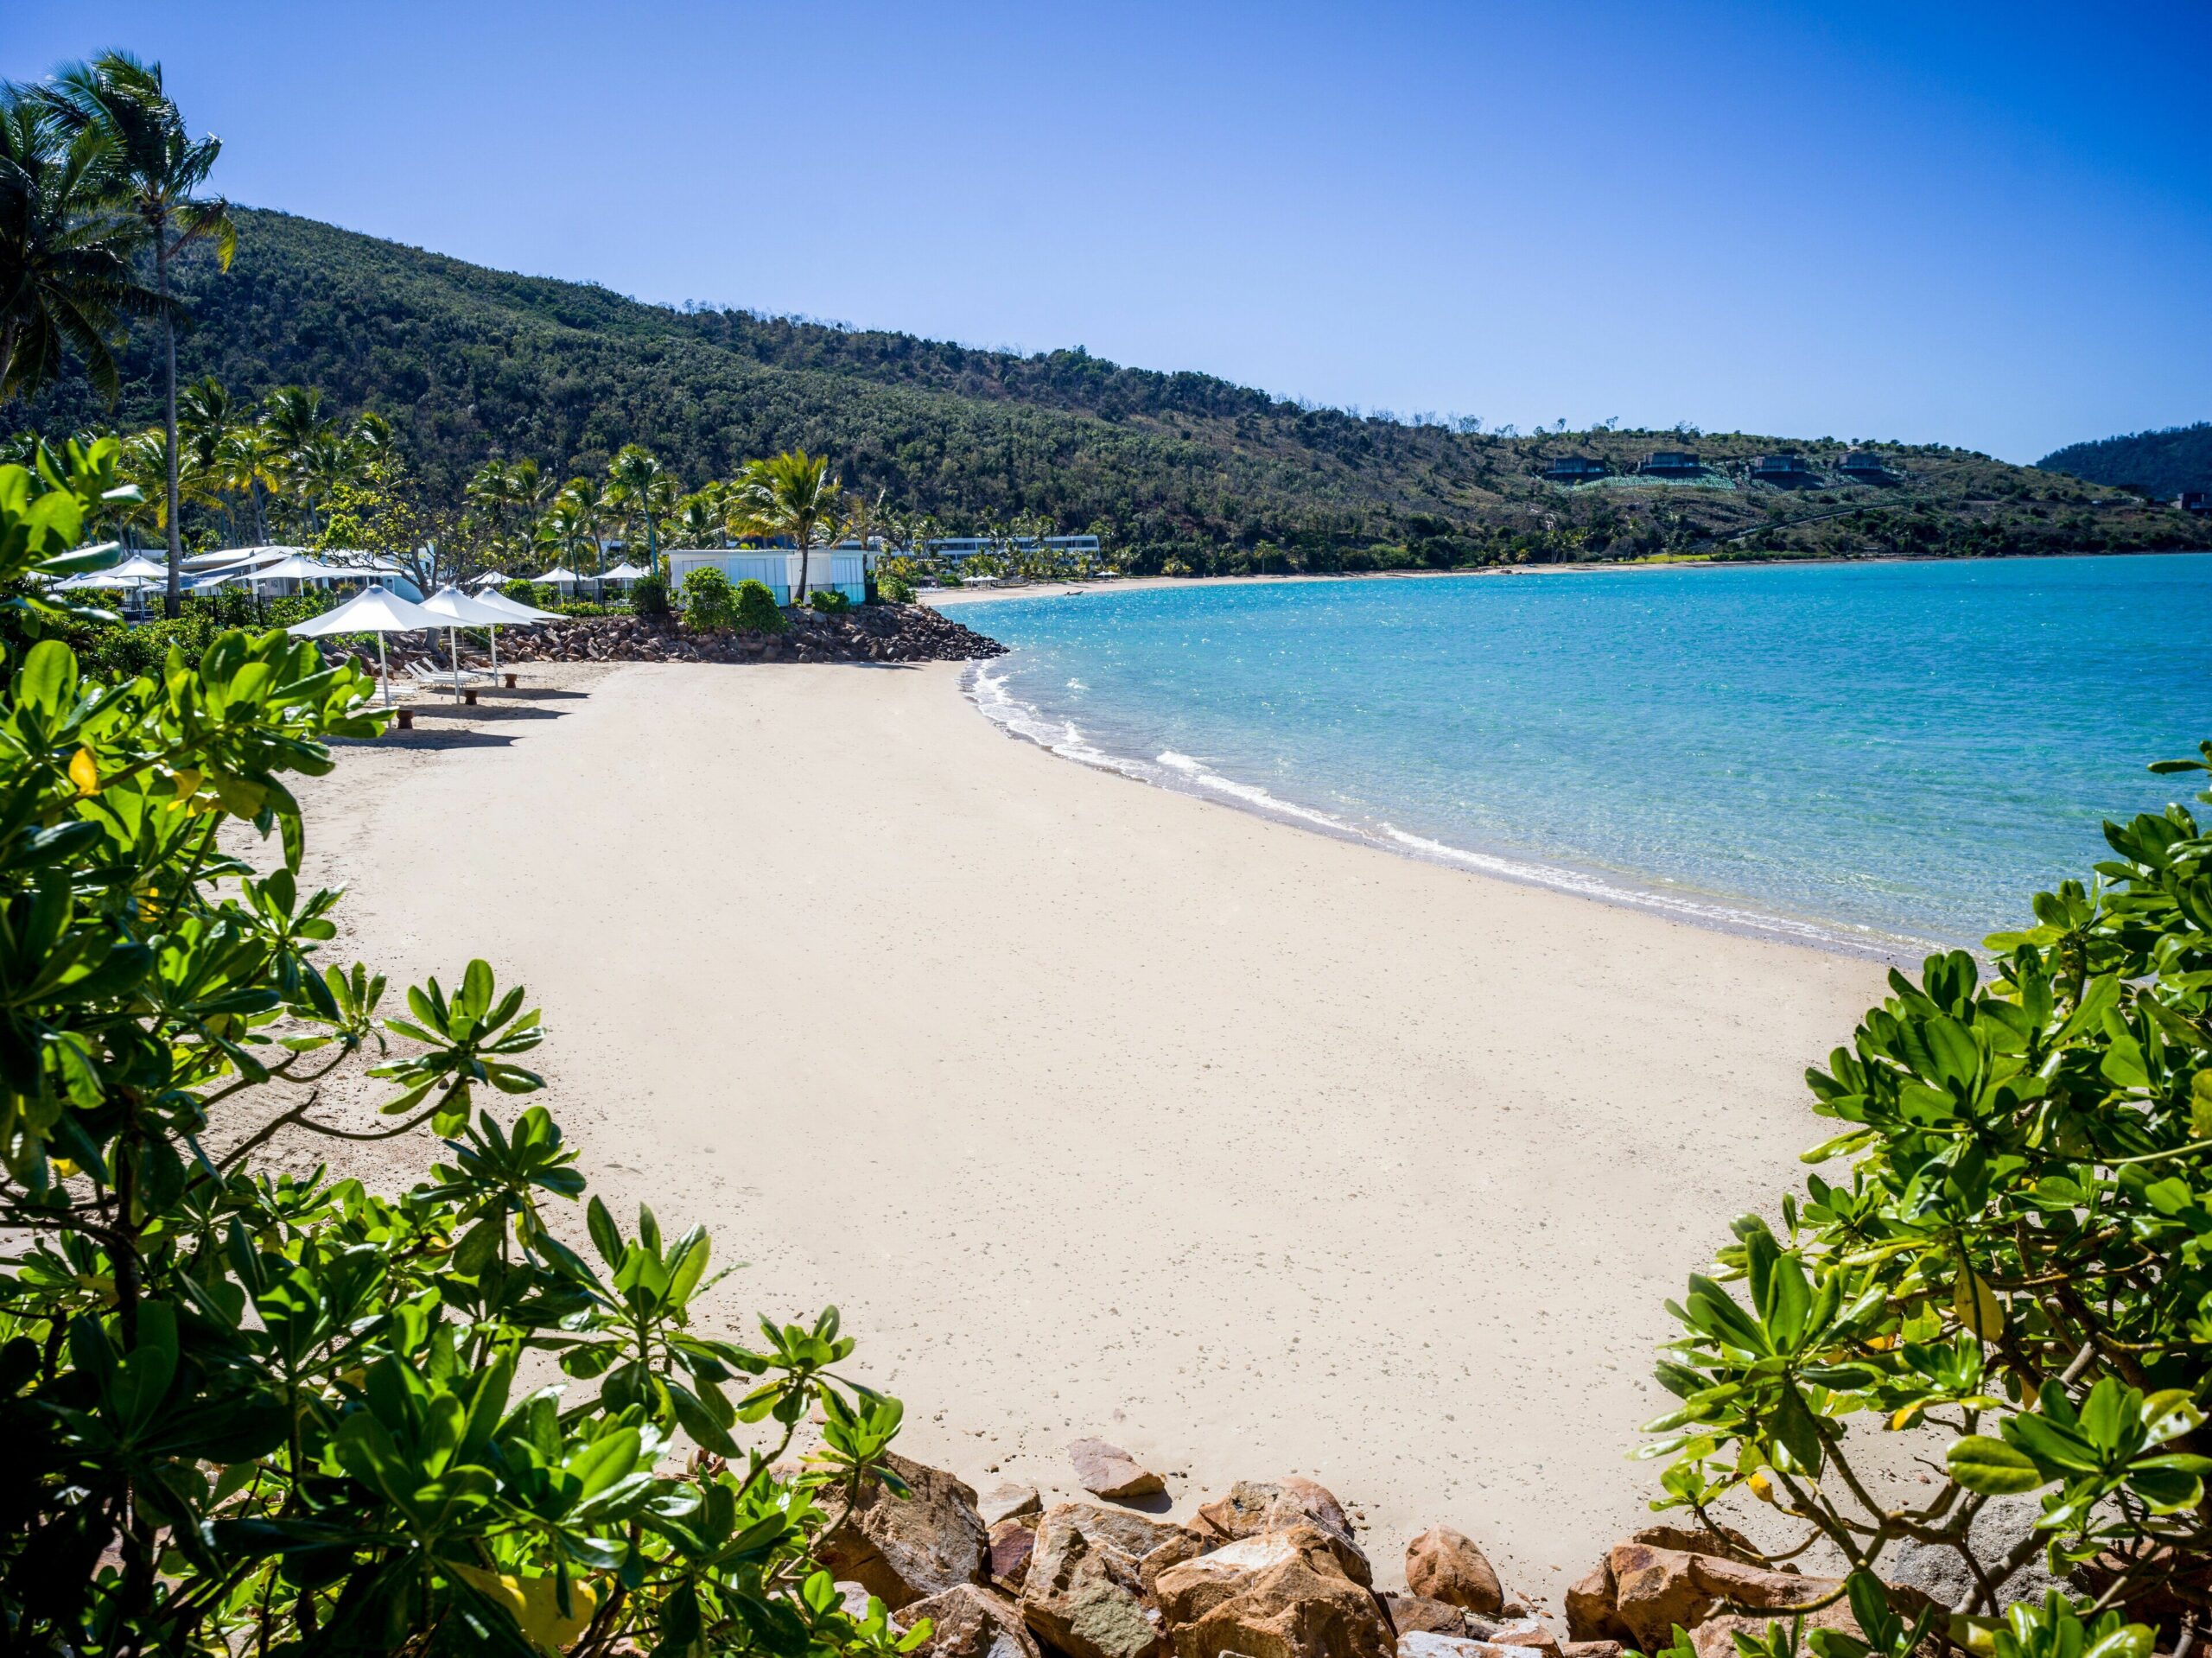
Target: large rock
[1012,1542]
[1009,1500]
[968,1622]
[1107,1471]
[1521,1635]
[1418,1615]
[1087,1592]
[903,1549]
[1283,1594]
[1590,1612]
[1444,1564]
[1253,1506]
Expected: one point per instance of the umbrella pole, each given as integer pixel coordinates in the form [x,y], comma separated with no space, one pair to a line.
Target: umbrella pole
[494,631]
[452,648]
[383,669]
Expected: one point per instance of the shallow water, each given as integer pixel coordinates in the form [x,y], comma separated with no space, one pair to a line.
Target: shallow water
[1861,754]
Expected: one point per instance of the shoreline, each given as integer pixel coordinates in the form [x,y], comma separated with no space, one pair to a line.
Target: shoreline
[1713,911]
[1072,589]
[1095,1111]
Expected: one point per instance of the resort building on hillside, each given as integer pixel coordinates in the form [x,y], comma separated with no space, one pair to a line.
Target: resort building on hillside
[1671,463]
[955,548]
[2195,500]
[1781,469]
[1574,469]
[1863,466]
[844,568]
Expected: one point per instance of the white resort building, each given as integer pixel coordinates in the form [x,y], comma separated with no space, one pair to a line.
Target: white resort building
[844,567]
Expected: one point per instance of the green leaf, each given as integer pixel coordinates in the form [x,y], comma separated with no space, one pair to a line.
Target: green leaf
[1990,1466]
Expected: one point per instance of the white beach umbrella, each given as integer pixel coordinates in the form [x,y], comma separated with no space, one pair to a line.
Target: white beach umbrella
[372,609]
[141,568]
[489,579]
[626,571]
[558,576]
[460,610]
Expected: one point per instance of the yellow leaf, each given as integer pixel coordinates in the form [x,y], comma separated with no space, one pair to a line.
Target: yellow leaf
[84,772]
[187,782]
[1977,1306]
[1975,1634]
[535,1602]
[64,1167]
[1905,1418]
[1762,1487]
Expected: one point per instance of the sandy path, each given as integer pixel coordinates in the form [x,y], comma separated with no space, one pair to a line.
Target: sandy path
[1096,1108]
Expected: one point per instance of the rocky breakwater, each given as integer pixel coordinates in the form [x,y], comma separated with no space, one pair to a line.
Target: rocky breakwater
[864,634]
[1273,1570]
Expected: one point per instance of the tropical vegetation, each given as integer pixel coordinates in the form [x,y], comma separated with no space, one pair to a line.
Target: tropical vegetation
[2016,1264]
[250,1409]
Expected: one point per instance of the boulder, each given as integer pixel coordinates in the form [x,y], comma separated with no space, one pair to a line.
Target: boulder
[1282,1594]
[1700,1540]
[1419,1615]
[1435,1644]
[906,1549]
[1087,1592]
[968,1622]
[1653,1590]
[1589,1649]
[1107,1471]
[1012,1542]
[1523,1635]
[1254,1506]
[1008,1500]
[1444,1564]
[1591,1615]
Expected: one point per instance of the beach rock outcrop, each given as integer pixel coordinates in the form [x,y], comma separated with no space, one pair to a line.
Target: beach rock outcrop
[864,634]
[1255,1506]
[968,1622]
[1281,1594]
[906,1549]
[1088,1590]
[1444,1564]
[1107,1470]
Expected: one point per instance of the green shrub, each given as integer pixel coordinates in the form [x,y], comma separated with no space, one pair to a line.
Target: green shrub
[894,590]
[756,610]
[251,1410]
[2019,1263]
[710,604]
[830,601]
[649,595]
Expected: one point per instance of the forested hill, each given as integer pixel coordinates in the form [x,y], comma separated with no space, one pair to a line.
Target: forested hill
[2160,464]
[472,363]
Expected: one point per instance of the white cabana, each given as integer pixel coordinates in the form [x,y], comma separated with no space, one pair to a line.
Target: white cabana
[372,609]
[460,610]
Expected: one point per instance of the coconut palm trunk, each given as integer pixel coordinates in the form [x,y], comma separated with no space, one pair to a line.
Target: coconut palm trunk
[173,592]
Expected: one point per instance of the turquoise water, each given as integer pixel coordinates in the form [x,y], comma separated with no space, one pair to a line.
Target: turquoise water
[1864,753]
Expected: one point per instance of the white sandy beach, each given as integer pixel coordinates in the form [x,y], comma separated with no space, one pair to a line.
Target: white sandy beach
[1099,1108]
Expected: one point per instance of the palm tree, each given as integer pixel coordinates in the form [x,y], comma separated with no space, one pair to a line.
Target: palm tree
[155,170]
[791,494]
[205,421]
[638,482]
[66,278]
[249,466]
[566,529]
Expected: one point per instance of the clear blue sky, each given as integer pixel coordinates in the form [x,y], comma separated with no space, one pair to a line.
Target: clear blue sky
[1982,224]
